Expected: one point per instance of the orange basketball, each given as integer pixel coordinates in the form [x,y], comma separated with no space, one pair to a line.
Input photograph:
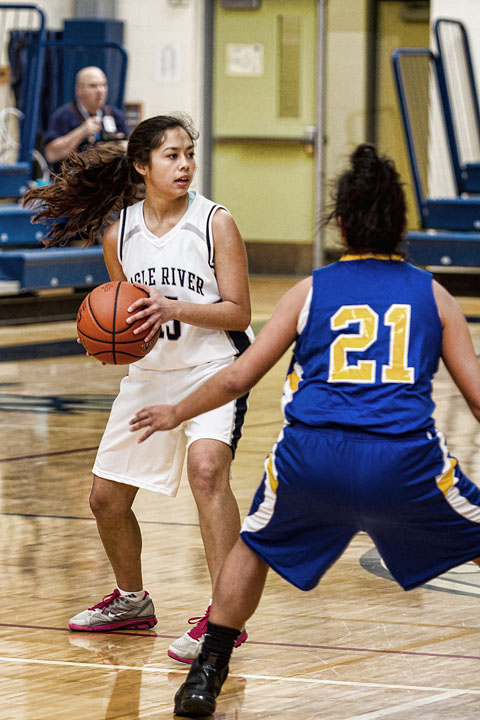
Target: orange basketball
[102,326]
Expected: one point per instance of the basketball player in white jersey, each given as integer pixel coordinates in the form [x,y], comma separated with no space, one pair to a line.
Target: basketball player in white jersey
[189,255]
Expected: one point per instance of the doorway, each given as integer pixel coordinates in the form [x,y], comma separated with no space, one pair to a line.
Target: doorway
[263,127]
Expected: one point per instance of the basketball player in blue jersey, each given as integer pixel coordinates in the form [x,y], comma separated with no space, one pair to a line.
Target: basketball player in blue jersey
[359,450]
[187,252]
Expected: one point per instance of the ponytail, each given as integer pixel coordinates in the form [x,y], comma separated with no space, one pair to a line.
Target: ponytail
[369,202]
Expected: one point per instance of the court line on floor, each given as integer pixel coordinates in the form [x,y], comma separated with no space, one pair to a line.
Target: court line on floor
[341,648]
[387,712]
[49,454]
[268,678]
[72,451]
[89,519]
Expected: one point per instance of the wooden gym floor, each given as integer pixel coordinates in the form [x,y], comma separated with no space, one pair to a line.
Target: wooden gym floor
[355,648]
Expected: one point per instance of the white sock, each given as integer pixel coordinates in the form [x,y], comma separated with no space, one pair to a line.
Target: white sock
[135,596]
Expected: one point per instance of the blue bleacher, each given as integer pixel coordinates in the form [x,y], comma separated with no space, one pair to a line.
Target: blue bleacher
[41,269]
[25,265]
[444,248]
[450,220]
[460,102]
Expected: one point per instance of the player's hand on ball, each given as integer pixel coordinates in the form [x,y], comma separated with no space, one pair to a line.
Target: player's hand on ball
[154,310]
[83,345]
[155,417]
[86,351]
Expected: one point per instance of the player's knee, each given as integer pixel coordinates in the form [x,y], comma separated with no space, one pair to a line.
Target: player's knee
[207,478]
[106,508]
[99,504]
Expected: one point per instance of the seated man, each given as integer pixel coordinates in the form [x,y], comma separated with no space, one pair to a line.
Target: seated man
[84,122]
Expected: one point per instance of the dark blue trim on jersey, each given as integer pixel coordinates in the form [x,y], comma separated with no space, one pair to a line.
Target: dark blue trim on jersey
[241,342]
[240,339]
[208,238]
[241,406]
[122,233]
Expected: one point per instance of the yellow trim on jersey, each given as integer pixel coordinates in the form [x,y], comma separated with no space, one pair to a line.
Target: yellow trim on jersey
[271,477]
[293,381]
[446,481]
[374,256]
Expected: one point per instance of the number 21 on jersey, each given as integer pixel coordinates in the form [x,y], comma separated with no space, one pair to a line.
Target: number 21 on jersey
[397,318]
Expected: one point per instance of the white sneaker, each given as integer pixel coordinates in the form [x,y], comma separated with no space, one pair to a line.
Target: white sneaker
[188,647]
[116,612]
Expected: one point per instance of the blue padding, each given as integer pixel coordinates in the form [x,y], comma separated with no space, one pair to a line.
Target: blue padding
[471,177]
[14,179]
[444,248]
[458,213]
[16,228]
[54,267]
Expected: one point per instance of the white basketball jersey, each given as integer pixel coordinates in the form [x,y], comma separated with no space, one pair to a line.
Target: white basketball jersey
[179,265]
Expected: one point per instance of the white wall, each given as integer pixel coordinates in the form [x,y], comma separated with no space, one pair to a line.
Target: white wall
[346,80]
[345,94]
[165,47]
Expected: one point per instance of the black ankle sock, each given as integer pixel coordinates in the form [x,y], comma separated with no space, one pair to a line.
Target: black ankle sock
[219,640]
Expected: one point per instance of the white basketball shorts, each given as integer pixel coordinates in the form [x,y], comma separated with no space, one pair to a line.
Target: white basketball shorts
[157,463]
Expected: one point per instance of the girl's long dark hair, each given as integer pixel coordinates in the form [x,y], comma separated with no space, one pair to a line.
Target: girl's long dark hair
[369,203]
[99,182]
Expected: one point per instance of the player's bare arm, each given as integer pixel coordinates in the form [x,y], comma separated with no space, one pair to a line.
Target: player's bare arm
[458,352]
[110,253]
[273,340]
[114,268]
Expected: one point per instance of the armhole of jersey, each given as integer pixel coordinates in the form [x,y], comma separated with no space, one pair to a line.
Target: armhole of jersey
[304,312]
[209,235]
[431,294]
[122,234]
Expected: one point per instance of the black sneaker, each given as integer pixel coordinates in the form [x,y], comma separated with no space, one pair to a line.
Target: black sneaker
[196,697]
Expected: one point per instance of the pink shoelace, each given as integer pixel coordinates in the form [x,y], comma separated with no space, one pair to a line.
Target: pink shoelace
[200,625]
[107,600]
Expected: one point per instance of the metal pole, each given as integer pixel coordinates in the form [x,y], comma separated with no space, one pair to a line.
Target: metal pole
[209,23]
[318,250]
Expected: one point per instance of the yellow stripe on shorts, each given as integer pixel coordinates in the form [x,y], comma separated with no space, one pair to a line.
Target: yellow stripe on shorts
[446,480]
[271,475]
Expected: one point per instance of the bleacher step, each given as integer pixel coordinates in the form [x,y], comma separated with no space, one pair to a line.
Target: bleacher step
[15,179]
[16,227]
[33,269]
[444,248]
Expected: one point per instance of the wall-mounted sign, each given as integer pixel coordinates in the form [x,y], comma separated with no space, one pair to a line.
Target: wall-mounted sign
[244,59]
[169,63]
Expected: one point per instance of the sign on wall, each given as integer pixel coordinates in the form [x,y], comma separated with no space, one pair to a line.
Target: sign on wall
[244,59]
[169,61]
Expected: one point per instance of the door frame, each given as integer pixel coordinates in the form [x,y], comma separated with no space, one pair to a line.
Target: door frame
[319,189]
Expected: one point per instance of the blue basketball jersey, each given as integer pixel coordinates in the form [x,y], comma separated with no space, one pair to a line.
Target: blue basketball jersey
[369,348]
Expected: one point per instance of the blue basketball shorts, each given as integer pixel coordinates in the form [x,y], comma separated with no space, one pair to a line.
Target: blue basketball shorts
[321,487]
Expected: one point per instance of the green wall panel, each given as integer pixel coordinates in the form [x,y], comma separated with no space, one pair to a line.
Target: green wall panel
[268,189]
[264,100]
